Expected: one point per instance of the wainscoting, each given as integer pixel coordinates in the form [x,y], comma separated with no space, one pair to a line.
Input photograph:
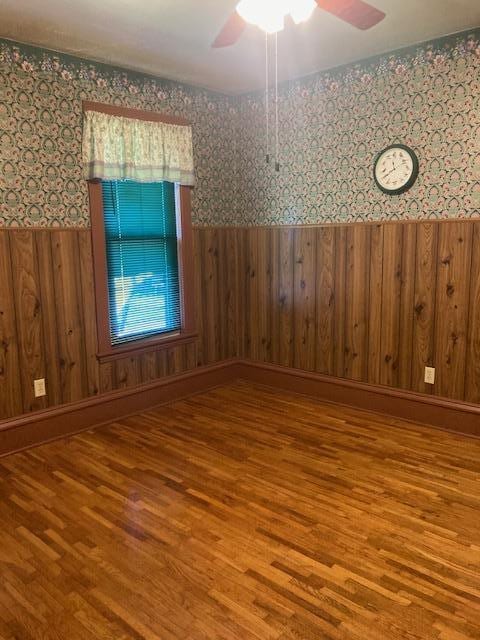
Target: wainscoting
[371,303]
[374,303]
[47,319]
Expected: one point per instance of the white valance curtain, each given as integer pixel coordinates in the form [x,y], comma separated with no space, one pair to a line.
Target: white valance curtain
[118,148]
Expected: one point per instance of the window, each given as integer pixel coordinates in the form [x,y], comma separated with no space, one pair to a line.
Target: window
[143,265]
[142,259]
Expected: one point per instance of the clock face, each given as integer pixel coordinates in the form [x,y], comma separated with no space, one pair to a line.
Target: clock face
[396,169]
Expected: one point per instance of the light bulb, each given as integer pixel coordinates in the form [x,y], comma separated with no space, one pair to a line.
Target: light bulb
[269,15]
[301,10]
[272,23]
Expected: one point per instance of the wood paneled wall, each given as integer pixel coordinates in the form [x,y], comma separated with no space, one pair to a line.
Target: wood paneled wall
[47,319]
[375,303]
[369,302]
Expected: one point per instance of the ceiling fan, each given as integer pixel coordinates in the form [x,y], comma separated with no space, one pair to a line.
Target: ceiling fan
[270,15]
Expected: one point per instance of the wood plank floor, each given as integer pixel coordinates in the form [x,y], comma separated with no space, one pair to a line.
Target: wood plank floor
[243,513]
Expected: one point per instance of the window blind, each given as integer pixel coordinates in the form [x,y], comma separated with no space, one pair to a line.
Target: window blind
[142,259]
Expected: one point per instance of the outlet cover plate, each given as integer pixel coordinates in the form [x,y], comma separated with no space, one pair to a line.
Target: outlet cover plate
[429,375]
[39,387]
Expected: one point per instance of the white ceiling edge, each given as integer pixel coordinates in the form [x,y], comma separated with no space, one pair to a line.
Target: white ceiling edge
[170,39]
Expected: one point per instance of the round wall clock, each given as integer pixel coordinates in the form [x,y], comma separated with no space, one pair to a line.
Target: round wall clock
[395,169]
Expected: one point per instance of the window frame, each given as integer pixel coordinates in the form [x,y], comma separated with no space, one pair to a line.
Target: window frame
[187,333]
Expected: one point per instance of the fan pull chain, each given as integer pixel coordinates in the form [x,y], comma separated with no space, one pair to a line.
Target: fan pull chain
[277,163]
[267,101]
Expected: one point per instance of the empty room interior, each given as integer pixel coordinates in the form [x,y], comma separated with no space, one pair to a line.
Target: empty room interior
[240,320]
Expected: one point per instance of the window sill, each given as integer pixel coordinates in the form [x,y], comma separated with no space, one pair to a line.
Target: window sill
[155,343]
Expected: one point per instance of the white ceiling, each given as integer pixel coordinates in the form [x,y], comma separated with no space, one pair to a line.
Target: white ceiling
[172,38]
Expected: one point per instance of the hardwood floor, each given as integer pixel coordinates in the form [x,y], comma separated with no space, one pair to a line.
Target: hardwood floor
[243,513]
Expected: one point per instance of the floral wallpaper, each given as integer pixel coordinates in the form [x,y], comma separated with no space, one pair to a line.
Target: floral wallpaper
[41,95]
[332,125]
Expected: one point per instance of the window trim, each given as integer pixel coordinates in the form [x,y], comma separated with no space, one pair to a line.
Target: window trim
[106,351]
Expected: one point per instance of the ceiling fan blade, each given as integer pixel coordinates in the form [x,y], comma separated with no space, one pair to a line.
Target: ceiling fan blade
[231,32]
[358,13]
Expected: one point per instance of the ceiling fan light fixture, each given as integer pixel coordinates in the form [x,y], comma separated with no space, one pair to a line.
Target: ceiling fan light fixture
[269,15]
[301,10]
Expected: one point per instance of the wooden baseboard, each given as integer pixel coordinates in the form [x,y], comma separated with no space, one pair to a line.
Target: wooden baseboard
[460,417]
[43,426]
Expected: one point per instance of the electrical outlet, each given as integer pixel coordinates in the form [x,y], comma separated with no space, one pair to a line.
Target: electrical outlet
[39,387]
[430,375]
